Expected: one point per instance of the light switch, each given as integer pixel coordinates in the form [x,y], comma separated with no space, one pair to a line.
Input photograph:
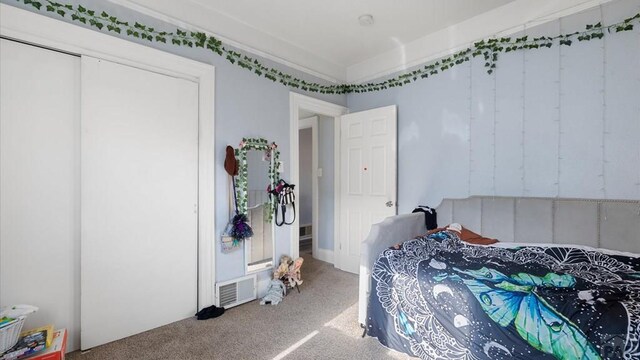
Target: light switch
[319,172]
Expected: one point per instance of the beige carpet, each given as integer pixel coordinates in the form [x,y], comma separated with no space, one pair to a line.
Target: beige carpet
[318,323]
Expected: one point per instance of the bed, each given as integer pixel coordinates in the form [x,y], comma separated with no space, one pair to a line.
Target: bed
[529,296]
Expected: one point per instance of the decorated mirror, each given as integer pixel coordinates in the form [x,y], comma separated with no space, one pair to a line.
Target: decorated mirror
[257,171]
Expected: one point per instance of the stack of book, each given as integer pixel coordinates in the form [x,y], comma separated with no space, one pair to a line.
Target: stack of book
[42,343]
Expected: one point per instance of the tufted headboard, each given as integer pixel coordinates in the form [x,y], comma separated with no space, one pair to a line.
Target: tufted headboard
[609,224]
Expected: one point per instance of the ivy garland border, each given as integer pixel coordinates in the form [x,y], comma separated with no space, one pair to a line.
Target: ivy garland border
[490,48]
[273,154]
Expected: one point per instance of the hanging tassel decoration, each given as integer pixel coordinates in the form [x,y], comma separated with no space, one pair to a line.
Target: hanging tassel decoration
[240,228]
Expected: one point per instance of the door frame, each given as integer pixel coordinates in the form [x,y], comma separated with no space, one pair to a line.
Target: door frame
[299,102]
[37,29]
[312,123]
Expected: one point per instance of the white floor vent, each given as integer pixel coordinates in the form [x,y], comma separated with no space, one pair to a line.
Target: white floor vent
[235,292]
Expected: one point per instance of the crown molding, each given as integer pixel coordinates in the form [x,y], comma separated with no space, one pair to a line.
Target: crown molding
[262,44]
[502,21]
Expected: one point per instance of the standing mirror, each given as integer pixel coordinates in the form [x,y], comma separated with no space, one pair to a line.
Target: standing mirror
[257,171]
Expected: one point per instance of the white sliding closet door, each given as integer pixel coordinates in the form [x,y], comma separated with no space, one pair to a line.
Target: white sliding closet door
[139,200]
[39,184]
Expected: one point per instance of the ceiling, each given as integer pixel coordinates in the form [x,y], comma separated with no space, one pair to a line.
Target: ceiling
[329,29]
[325,37]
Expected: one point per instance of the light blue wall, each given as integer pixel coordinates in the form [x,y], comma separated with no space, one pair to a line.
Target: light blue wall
[563,121]
[325,182]
[554,122]
[245,106]
[305,185]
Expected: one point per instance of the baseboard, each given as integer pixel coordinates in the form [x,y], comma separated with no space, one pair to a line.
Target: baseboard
[324,255]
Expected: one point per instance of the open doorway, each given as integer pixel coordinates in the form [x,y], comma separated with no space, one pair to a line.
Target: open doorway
[316,136]
[308,187]
[314,169]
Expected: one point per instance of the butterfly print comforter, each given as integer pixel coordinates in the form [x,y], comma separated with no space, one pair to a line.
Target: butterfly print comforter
[436,297]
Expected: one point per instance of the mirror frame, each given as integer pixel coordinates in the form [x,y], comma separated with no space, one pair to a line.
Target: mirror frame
[259,144]
[271,149]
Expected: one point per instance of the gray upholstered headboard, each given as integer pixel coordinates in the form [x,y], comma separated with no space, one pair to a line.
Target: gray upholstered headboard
[610,224]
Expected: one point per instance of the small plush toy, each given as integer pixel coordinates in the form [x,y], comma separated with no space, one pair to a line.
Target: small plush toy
[276,292]
[293,276]
[283,268]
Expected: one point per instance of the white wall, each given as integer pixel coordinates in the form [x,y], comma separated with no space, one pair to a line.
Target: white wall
[554,122]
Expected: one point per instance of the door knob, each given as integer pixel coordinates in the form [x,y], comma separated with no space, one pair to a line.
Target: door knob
[389,203]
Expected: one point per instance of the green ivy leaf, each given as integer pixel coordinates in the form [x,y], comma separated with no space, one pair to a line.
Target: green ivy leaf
[490,48]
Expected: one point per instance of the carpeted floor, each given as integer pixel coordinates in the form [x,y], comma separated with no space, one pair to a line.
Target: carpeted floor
[318,323]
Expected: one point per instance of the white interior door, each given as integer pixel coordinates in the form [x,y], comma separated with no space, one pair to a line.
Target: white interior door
[39,184]
[367,177]
[139,194]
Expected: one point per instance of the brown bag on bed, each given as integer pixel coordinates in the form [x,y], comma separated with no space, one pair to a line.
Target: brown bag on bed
[469,236]
[473,238]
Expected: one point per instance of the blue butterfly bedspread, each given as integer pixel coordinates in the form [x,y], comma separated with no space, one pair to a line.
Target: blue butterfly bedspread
[436,297]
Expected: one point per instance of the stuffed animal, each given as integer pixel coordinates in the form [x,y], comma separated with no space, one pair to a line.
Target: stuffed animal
[283,268]
[293,276]
[288,272]
[276,292]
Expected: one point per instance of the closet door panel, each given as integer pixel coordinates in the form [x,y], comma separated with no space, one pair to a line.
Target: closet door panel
[39,184]
[139,200]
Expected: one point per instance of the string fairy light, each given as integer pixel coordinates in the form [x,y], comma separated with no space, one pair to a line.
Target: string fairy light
[522,139]
[603,176]
[559,118]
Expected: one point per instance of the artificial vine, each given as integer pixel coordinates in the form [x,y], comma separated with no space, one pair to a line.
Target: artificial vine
[272,154]
[490,49]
